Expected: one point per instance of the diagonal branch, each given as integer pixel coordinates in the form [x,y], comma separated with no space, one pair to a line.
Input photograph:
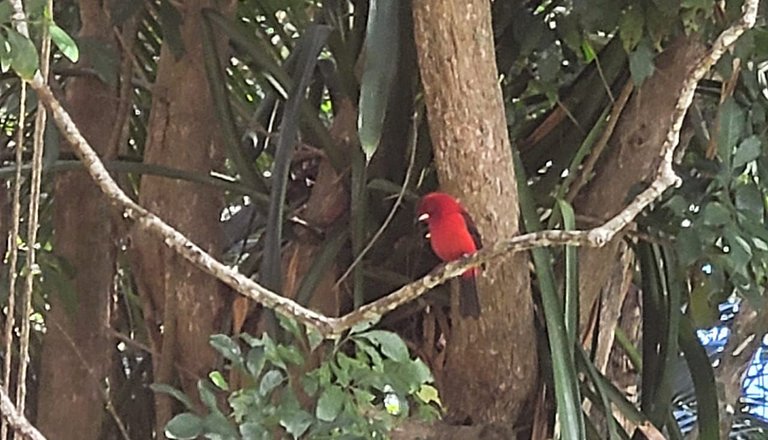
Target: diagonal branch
[16,420]
[333,327]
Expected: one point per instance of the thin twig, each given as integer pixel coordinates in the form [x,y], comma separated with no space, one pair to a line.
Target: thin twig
[415,121]
[13,245]
[333,327]
[33,212]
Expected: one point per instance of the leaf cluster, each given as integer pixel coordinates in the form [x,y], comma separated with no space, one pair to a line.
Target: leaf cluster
[361,387]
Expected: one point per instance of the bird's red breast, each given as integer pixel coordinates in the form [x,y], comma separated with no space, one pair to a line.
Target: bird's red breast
[452,235]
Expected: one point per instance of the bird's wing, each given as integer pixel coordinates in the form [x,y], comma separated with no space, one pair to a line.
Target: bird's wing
[472,228]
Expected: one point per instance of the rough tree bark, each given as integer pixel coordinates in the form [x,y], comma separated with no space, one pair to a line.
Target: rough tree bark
[76,350]
[491,367]
[181,133]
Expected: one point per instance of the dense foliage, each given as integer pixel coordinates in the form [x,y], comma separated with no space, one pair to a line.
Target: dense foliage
[318,112]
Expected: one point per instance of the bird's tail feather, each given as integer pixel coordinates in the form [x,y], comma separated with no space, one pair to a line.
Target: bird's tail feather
[469,302]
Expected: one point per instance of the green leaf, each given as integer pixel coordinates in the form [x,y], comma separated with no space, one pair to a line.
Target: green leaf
[716,214]
[373,354]
[749,202]
[296,422]
[64,42]
[703,381]
[739,251]
[731,128]
[217,426]
[565,376]
[748,150]
[330,403]
[270,381]
[218,379]
[429,394]
[207,396]
[390,343]
[641,63]
[255,361]
[631,27]
[173,392]
[408,377]
[227,347]
[184,426]
[6,12]
[254,342]
[24,55]
[688,246]
[254,431]
[381,47]
[6,57]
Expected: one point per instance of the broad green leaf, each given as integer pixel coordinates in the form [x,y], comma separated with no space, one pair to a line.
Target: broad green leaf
[217,426]
[429,394]
[641,63]
[24,59]
[184,426]
[382,44]
[270,381]
[255,361]
[296,422]
[227,347]
[254,431]
[739,251]
[290,354]
[373,354]
[732,119]
[64,42]
[716,214]
[748,150]
[6,12]
[688,245]
[749,202]
[631,27]
[390,343]
[207,395]
[413,374]
[330,403]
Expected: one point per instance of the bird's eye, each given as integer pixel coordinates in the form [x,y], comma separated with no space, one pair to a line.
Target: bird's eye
[423,217]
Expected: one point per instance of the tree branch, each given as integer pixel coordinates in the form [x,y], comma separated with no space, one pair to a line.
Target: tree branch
[333,327]
[16,420]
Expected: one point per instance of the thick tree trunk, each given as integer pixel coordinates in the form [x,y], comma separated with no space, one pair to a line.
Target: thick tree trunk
[185,301]
[76,350]
[491,363]
[631,159]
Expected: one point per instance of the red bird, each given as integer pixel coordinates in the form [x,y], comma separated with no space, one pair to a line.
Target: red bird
[453,235]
